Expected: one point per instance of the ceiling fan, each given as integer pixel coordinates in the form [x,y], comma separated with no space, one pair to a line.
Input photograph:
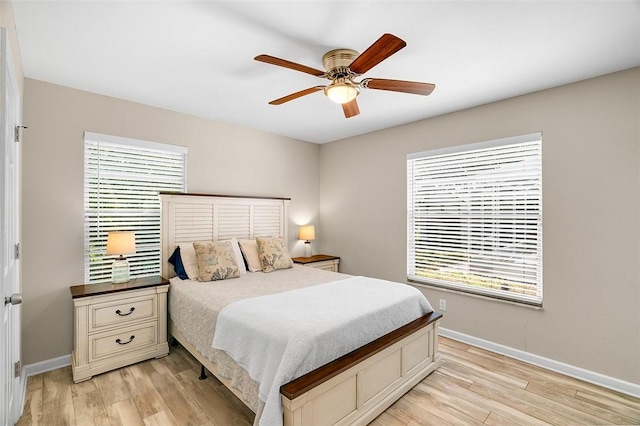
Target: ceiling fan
[343,66]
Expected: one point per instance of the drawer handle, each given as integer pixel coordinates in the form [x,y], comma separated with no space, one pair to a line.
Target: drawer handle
[120,342]
[119,312]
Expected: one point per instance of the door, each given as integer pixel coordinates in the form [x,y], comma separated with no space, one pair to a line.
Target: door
[9,232]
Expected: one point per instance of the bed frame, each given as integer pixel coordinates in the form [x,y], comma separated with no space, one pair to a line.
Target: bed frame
[351,390]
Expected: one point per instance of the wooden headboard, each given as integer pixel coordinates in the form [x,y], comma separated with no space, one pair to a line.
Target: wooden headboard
[204,217]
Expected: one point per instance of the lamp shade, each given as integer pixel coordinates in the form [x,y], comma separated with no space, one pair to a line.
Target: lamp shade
[307,233]
[120,243]
[341,93]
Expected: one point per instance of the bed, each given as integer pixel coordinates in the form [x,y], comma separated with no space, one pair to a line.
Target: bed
[352,389]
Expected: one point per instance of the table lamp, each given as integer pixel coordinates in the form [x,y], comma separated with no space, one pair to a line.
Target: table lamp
[119,244]
[307,233]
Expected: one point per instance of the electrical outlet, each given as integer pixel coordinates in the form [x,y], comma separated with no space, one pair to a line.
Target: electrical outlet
[443,304]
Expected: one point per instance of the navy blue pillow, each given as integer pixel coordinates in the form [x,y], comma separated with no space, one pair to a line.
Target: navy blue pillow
[176,261]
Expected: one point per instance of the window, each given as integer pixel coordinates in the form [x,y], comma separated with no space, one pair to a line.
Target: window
[475,218]
[122,179]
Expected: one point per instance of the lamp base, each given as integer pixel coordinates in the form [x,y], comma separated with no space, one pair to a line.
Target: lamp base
[120,271]
[307,249]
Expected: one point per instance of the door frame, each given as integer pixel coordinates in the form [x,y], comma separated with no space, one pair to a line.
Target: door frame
[10,119]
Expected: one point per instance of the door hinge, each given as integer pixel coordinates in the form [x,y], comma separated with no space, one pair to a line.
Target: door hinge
[18,133]
[17,251]
[17,367]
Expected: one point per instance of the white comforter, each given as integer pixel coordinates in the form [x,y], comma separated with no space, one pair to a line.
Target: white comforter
[280,337]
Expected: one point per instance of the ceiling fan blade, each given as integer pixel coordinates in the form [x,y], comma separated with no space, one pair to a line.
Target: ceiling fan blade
[296,95]
[384,47]
[398,86]
[288,64]
[351,109]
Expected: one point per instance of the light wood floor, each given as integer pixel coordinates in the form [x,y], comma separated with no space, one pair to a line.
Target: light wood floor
[473,386]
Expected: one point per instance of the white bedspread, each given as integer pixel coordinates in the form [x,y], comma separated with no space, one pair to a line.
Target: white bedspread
[280,337]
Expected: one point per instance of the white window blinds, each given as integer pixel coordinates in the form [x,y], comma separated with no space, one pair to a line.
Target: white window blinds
[475,218]
[122,179]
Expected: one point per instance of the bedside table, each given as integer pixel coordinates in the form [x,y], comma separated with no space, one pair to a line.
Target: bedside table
[319,261]
[118,324]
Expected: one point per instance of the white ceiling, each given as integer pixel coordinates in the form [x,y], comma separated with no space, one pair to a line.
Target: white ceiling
[197,57]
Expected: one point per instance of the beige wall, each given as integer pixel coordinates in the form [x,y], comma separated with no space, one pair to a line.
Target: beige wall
[591,193]
[222,159]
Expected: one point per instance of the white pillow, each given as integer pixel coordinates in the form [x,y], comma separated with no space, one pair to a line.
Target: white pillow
[238,254]
[250,251]
[190,261]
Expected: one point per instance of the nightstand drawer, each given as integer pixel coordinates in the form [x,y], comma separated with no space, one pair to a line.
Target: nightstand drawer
[115,342]
[327,265]
[122,311]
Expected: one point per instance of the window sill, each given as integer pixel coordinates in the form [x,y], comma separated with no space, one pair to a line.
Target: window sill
[433,286]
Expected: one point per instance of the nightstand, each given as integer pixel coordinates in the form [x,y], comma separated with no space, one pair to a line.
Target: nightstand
[118,324]
[319,261]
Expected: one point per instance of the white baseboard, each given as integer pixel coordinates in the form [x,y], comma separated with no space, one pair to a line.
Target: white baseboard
[612,383]
[44,366]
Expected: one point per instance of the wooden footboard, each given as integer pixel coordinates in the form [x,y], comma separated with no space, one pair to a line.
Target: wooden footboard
[357,387]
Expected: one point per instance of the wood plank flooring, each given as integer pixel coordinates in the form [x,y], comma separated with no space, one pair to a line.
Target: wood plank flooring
[472,387]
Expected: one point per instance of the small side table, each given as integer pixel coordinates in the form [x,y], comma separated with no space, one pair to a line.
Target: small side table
[319,261]
[116,325]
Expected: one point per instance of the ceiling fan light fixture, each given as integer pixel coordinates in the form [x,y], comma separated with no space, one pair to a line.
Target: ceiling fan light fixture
[343,67]
[341,92]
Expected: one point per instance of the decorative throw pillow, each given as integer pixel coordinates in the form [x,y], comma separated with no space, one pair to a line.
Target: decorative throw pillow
[250,252]
[190,262]
[216,261]
[176,261]
[273,254]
